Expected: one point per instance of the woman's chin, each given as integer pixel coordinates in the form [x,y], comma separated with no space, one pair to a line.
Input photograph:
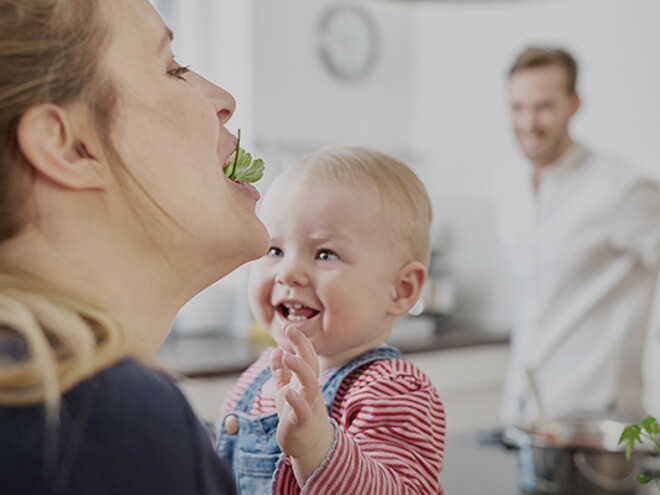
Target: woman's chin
[254,244]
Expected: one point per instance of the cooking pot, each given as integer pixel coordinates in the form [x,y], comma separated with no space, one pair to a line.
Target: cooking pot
[575,455]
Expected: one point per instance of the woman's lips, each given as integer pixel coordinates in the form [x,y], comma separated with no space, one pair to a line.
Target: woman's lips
[246,188]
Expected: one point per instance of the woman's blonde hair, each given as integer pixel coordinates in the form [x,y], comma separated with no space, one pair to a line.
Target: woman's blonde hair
[401,190]
[49,53]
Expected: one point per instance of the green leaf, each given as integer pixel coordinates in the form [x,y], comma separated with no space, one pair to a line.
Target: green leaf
[248,170]
[644,480]
[631,435]
[650,425]
[241,166]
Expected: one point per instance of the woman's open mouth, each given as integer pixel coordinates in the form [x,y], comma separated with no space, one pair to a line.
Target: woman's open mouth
[296,312]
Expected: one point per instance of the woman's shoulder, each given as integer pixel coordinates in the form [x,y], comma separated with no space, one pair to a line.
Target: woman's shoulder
[132,378]
[126,430]
[133,385]
[130,402]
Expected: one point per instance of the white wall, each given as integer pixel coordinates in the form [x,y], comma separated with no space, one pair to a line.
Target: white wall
[300,104]
[451,109]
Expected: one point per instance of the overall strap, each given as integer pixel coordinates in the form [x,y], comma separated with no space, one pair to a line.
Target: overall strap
[332,385]
[244,404]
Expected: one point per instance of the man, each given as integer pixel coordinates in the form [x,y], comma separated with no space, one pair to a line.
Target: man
[583,235]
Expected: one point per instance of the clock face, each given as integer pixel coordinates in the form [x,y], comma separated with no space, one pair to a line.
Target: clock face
[348,42]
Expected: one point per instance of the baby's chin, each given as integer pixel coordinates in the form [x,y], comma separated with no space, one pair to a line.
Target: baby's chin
[281,341]
[285,346]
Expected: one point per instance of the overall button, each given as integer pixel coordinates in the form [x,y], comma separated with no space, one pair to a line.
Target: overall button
[231,425]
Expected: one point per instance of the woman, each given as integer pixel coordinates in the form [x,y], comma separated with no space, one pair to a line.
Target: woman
[114,211]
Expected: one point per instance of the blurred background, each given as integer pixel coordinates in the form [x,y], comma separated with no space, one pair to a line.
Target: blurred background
[426,82]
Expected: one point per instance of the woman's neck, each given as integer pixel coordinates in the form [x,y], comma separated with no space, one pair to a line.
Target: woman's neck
[140,290]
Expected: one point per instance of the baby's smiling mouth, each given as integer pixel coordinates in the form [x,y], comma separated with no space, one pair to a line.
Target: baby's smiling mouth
[296,312]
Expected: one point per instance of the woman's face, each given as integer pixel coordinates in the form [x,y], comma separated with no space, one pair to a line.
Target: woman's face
[170,132]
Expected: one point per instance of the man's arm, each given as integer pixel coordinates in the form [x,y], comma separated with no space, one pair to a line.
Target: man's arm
[635,222]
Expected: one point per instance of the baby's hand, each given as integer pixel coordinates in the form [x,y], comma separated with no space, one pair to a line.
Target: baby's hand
[304,431]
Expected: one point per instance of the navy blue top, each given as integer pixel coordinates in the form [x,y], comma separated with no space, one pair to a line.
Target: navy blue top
[127,430]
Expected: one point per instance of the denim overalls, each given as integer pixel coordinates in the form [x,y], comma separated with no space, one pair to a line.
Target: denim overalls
[253,451]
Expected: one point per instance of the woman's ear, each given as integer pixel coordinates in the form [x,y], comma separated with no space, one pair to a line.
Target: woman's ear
[408,287]
[49,143]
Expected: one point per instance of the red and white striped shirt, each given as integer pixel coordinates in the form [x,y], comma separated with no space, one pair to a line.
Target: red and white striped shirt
[391,435]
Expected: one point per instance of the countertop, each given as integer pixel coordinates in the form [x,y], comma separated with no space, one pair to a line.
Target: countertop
[219,355]
[473,467]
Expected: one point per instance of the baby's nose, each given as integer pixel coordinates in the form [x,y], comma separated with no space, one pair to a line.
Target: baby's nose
[291,274]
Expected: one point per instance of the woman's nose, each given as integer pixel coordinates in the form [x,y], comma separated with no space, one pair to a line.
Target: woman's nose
[223,101]
[226,105]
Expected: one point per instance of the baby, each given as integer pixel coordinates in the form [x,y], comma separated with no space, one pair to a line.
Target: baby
[333,409]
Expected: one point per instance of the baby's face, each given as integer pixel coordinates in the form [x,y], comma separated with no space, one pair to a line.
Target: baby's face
[331,270]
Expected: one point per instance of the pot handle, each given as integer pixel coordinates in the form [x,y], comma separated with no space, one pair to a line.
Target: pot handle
[623,484]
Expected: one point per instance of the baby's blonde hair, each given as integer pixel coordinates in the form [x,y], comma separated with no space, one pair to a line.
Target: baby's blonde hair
[402,193]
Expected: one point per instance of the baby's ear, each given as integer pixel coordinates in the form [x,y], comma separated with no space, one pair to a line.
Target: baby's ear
[54,141]
[408,287]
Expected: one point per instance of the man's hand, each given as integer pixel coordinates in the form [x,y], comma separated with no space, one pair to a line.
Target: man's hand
[304,432]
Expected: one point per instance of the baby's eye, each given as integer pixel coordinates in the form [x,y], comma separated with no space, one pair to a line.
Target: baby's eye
[327,255]
[179,71]
[275,252]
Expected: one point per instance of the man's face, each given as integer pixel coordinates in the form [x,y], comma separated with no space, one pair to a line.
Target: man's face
[541,108]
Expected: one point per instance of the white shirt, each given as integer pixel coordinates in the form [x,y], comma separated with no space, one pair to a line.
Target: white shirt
[584,252]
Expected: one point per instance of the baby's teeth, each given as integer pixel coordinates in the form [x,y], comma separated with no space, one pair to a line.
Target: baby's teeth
[296,318]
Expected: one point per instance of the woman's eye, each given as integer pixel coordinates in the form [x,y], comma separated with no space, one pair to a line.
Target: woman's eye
[179,71]
[327,255]
[275,252]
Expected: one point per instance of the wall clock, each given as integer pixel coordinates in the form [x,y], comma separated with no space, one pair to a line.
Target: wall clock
[348,42]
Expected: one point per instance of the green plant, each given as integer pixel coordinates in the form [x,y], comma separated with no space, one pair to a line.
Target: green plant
[241,166]
[646,431]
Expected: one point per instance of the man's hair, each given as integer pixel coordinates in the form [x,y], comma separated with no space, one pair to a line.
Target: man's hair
[539,56]
[399,187]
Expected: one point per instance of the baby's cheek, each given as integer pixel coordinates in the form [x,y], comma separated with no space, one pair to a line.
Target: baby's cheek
[260,304]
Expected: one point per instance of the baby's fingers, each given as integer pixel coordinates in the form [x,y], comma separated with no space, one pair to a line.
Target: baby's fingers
[299,407]
[303,348]
[281,374]
[308,383]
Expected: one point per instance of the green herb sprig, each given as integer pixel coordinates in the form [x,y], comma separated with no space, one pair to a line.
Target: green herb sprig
[241,166]
[647,430]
